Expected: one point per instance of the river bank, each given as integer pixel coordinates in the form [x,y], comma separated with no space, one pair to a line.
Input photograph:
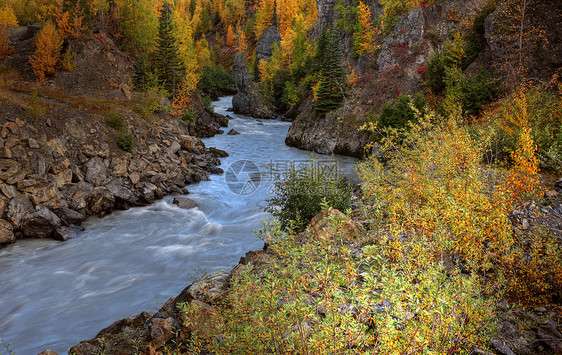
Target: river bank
[135,260]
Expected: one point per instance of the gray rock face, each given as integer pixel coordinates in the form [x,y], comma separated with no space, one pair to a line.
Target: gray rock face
[269,37]
[248,100]
[326,135]
[18,208]
[233,132]
[66,233]
[40,224]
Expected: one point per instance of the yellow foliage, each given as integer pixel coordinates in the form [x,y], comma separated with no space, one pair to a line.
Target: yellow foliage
[7,16]
[48,44]
[286,12]
[241,41]
[229,36]
[263,16]
[365,38]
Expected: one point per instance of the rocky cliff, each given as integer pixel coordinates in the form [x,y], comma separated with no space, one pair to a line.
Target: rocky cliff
[62,154]
[396,70]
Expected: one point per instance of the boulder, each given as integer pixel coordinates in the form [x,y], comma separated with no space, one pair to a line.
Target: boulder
[218,152]
[69,216]
[101,201]
[65,233]
[149,192]
[96,172]
[8,168]
[233,132]
[121,193]
[40,224]
[19,207]
[48,352]
[210,288]
[6,232]
[184,202]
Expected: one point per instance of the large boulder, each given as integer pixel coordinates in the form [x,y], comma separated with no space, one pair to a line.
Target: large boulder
[248,100]
[40,224]
[184,202]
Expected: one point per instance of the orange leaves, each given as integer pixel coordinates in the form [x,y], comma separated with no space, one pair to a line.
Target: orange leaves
[69,25]
[48,44]
[241,41]
[5,49]
[229,36]
[365,38]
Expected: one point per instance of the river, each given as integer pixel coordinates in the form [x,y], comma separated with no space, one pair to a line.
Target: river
[55,294]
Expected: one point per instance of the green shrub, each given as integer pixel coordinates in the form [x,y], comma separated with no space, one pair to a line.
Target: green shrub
[114,120]
[188,116]
[208,104]
[475,41]
[300,193]
[215,82]
[436,73]
[399,114]
[291,96]
[477,91]
[126,140]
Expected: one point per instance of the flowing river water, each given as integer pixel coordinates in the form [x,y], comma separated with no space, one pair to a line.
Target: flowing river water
[55,294]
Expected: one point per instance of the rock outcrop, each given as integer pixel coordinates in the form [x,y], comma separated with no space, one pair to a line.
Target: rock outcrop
[399,69]
[248,101]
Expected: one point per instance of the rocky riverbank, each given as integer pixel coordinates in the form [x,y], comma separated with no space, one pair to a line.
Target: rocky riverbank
[85,144]
[59,168]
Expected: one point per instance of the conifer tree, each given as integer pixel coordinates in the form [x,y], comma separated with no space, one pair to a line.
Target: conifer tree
[168,67]
[330,94]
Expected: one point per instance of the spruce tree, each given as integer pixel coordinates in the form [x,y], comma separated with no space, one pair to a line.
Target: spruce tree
[168,66]
[331,90]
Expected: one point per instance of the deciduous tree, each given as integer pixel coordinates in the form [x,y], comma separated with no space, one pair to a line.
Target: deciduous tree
[48,45]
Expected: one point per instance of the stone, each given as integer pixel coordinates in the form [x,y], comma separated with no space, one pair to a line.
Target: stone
[96,172]
[63,178]
[190,143]
[101,201]
[525,224]
[5,152]
[210,288]
[321,228]
[120,167]
[8,190]
[38,164]
[184,202]
[41,193]
[65,233]
[40,224]
[19,207]
[134,177]
[59,166]
[148,192]
[552,194]
[162,329]
[233,132]
[502,347]
[117,189]
[218,152]
[32,143]
[6,232]
[8,168]
[175,147]
[48,352]
[69,216]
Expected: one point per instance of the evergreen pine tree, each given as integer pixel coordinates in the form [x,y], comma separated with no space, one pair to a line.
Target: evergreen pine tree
[330,94]
[168,67]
